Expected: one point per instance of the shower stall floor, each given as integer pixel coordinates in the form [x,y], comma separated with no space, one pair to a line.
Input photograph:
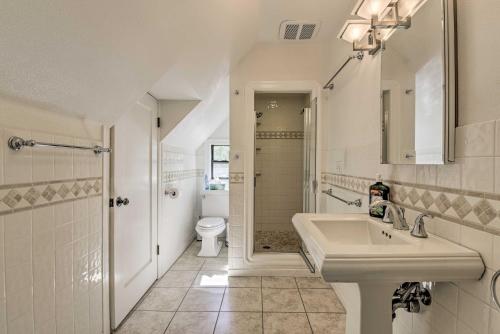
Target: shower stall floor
[276,242]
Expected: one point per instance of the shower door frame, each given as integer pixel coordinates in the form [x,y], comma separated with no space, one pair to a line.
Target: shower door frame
[271,263]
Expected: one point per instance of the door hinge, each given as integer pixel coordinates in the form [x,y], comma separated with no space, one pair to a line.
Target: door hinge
[111,202]
[157,249]
[158,122]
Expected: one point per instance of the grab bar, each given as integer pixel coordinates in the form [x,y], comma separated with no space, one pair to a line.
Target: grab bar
[493,288]
[17,143]
[358,202]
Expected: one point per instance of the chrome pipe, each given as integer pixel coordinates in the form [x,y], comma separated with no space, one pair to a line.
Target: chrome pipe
[17,143]
[356,202]
[359,56]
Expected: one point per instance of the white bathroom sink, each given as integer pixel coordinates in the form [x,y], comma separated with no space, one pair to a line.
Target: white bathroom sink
[357,248]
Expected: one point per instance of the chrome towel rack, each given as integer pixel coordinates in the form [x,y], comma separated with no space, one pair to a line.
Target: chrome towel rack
[358,202]
[17,143]
[493,288]
[359,56]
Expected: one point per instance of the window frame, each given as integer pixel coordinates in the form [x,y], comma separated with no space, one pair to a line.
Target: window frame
[212,161]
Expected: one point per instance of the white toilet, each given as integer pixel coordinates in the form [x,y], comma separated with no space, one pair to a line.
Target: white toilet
[215,210]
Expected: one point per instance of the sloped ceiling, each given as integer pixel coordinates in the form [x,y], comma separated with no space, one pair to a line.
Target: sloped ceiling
[96,58]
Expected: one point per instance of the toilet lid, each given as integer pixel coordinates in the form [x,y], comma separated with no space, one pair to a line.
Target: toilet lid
[209,222]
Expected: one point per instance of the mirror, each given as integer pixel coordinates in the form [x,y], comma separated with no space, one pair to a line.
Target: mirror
[418,108]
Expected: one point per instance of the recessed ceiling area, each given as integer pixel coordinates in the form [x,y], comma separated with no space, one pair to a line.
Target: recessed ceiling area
[95,59]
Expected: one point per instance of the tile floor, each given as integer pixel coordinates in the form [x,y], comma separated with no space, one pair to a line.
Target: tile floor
[196,296]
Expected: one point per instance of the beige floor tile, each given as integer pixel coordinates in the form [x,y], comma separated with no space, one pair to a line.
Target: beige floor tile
[223,252]
[242,299]
[211,278]
[244,282]
[286,323]
[239,323]
[186,262]
[163,299]
[278,282]
[327,323]
[202,299]
[177,279]
[192,323]
[193,249]
[312,283]
[281,300]
[321,300]
[215,263]
[146,322]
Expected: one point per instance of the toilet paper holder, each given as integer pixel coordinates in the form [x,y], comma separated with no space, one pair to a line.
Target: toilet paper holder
[172,192]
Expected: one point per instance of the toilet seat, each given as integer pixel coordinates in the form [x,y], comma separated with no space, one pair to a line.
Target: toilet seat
[210,222]
[209,229]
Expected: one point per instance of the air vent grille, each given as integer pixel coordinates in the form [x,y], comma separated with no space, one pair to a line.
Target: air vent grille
[307,31]
[291,31]
[298,30]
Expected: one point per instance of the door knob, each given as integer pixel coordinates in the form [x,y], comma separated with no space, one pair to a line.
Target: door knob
[120,201]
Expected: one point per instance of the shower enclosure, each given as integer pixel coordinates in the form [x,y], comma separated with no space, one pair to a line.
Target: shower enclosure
[285,168]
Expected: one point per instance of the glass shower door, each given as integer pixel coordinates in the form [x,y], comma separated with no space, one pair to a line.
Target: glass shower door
[310,181]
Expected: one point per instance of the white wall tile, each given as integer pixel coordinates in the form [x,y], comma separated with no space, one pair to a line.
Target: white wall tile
[3,316]
[446,294]
[494,322]
[479,241]
[473,312]
[63,213]
[497,138]
[43,158]
[63,159]
[17,164]
[477,173]
[81,160]
[497,175]
[449,176]
[3,145]
[427,174]
[496,252]
[479,289]
[475,140]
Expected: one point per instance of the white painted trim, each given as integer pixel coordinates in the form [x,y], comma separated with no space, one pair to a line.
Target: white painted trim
[106,315]
[277,262]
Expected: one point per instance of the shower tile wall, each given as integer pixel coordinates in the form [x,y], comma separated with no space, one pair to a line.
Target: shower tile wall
[50,225]
[279,160]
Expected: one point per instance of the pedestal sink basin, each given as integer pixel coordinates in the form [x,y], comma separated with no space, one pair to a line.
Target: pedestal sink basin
[357,248]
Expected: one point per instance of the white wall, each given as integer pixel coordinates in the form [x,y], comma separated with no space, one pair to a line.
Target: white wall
[178,216]
[352,118]
[51,271]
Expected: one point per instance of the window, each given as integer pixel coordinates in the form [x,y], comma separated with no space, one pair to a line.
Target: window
[220,162]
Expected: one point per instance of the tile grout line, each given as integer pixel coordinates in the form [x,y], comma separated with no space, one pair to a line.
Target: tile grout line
[303,305]
[220,308]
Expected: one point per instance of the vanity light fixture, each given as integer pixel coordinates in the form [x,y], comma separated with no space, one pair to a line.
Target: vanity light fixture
[381,18]
[361,35]
[388,14]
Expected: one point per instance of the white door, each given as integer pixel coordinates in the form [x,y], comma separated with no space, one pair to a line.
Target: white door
[133,229]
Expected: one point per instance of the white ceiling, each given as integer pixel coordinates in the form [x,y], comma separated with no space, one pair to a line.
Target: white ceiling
[96,58]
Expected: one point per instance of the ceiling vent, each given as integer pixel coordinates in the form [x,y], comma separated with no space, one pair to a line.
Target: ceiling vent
[298,30]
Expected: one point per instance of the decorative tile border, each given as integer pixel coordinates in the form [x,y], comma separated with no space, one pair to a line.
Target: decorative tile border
[236,177]
[279,135]
[471,208]
[171,176]
[19,197]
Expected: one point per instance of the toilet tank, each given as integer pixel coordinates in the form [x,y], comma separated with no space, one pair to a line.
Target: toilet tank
[215,203]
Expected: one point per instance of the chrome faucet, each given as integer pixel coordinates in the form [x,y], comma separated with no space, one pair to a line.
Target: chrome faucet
[397,213]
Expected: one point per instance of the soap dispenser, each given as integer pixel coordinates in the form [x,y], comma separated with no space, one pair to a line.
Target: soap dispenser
[378,191]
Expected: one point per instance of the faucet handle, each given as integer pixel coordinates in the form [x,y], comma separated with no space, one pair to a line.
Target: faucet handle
[418,229]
